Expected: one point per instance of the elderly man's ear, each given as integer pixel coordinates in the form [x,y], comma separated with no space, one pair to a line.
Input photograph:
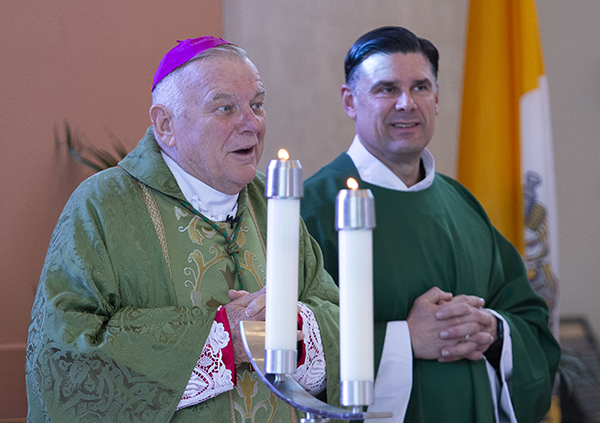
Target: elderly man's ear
[163,124]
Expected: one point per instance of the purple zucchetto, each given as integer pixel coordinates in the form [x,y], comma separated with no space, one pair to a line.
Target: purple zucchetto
[182,52]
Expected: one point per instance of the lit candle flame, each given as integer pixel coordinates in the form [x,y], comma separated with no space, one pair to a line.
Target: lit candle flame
[352,184]
[283,154]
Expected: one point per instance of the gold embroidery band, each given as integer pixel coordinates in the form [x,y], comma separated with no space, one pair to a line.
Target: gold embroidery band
[231,406]
[156,221]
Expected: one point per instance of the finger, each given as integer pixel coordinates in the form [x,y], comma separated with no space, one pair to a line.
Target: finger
[256,306]
[482,339]
[474,356]
[299,336]
[462,311]
[471,300]
[457,315]
[459,332]
[243,298]
[476,343]
[485,317]
[435,295]
[261,292]
[459,351]
[453,309]
[233,294]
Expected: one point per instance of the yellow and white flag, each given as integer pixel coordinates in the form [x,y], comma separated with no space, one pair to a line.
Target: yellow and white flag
[505,153]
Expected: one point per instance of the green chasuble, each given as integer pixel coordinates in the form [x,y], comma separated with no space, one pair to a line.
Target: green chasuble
[442,237]
[129,292]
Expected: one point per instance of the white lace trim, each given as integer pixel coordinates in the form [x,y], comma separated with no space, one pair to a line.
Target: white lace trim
[210,376]
[312,374]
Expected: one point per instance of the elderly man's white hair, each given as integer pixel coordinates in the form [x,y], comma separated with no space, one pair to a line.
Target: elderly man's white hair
[168,92]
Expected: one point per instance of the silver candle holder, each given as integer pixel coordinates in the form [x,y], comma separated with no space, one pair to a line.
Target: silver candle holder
[284,179]
[290,391]
[355,209]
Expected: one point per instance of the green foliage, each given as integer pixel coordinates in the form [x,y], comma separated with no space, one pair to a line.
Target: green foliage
[95,158]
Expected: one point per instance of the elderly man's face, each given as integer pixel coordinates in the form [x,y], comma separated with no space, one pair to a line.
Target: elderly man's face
[219,136]
[394,104]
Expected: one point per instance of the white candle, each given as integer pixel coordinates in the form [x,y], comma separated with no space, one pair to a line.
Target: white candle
[356,304]
[283,229]
[355,220]
[283,190]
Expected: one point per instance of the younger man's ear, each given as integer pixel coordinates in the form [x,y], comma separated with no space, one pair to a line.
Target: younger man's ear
[348,101]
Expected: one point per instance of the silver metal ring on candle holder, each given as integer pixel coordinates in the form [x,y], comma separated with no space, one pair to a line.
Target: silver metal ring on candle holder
[280,362]
[355,209]
[357,392]
[284,179]
[312,418]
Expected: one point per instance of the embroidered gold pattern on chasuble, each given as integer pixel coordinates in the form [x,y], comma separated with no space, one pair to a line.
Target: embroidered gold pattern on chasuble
[209,259]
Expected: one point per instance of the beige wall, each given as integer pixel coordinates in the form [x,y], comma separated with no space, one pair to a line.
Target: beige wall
[91,63]
[299,49]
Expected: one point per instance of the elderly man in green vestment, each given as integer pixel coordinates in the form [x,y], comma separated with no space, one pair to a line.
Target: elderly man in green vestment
[154,263]
[442,355]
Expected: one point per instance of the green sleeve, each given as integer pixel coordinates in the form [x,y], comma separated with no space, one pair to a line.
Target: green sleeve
[535,351]
[107,344]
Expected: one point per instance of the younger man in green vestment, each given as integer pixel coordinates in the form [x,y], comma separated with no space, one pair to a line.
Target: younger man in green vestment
[154,263]
[441,354]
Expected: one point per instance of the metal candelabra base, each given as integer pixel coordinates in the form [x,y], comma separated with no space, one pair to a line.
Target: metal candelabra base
[286,388]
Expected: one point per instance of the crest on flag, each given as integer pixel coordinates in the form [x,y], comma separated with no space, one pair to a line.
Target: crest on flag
[537,256]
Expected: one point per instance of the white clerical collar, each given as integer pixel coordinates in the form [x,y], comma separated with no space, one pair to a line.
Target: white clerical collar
[213,204]
[371,170]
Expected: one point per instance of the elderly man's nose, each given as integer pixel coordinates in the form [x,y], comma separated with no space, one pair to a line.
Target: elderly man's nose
[251,121]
